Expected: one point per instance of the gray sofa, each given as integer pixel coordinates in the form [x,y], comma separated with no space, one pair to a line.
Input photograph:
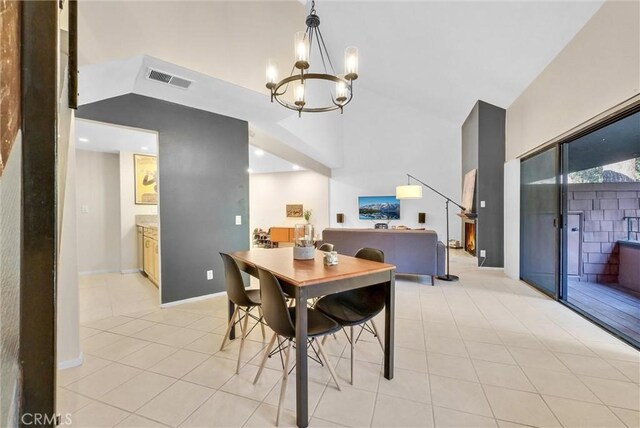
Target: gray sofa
[416,252]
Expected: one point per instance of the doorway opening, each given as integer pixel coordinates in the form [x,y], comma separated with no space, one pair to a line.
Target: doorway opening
[117,220]
[602,202]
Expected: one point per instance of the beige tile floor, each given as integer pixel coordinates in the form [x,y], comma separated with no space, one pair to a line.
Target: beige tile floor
[484,352]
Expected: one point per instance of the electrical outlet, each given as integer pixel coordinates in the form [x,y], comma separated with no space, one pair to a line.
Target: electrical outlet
[483,204]
[209,275]
[238,220]
[84,209]
[483,253]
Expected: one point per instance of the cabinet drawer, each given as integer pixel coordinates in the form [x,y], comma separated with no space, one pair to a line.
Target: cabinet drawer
[151,233]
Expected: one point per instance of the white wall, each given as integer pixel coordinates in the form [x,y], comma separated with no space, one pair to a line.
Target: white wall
[98,187]
[10,252]
[512,218]
[383,141]
[270,193]
[69,352]
[128,212]
[597,70]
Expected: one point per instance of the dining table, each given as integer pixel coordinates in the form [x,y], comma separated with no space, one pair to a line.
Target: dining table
[306,279]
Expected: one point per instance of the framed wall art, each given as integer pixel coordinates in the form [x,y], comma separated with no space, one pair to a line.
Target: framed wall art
[294,210]
[146,179]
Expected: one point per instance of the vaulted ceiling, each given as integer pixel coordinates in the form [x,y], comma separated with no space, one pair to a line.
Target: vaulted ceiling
[438,57]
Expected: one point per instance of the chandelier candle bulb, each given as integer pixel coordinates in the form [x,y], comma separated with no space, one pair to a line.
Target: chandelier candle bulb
[341,92]
[351,63]
[299,95]
[272,73]
[302,50]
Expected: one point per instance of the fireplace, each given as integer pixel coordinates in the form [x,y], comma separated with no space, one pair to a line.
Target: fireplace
[470,237]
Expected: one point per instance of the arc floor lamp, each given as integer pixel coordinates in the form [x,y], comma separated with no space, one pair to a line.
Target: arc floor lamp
[414,191]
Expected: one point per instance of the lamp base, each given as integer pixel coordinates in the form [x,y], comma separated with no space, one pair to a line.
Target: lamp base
[451,278]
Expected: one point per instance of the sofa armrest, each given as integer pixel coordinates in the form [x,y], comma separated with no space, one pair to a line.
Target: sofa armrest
[440,258]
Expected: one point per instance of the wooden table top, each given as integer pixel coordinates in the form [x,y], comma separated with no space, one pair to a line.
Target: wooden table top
[280,262]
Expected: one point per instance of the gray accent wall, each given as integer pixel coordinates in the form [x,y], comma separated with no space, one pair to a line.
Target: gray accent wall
[203,185]
[483,147]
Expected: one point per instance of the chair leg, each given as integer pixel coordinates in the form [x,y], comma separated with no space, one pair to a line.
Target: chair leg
[353,344]
[375,330]
[265,356]
[244,335]
[264,336]
[283,387]
[232,321]
[433,280]
[329,366]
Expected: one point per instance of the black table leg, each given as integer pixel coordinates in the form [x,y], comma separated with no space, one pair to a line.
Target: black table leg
[232,332]
[389,325]
[302,396]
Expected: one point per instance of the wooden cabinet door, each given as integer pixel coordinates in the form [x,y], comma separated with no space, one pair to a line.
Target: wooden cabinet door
[147,251]
[156,262]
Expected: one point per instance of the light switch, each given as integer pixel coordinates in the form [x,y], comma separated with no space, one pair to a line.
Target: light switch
[238,219]
[84,209]
[482,204]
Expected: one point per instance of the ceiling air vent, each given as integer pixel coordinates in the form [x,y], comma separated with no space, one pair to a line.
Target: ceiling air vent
[160,76]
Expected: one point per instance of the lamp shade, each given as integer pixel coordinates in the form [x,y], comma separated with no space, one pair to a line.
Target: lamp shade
[409,191]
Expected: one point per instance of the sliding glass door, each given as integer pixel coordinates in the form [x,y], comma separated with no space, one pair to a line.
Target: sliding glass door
[539,221]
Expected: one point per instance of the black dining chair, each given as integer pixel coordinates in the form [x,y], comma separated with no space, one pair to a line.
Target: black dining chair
[325,247]
[357,307]
[280,318]
[244,300]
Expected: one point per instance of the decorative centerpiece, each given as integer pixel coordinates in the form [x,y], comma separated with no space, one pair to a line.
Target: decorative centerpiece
[331,258]
[303,242]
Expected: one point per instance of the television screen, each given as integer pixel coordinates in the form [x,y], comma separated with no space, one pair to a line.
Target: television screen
[378,208]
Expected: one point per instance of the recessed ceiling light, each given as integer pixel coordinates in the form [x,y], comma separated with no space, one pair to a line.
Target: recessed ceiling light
[259,152]
[144,148]
[83,140]
[249,170]
[295,167]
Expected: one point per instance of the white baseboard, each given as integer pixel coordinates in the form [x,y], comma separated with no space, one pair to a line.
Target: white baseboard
[71,363]
[192,299]
[98,272]
[126,271]
[490,268]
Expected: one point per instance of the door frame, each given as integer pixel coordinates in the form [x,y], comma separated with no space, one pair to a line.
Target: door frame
[580,214]
[38,258]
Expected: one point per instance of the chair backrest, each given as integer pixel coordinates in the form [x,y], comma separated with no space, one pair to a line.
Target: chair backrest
[374,295]
[235,285]
[274,305]
[325,247]
[372,254]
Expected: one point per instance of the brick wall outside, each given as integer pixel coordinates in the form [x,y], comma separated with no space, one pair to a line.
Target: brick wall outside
[604,206]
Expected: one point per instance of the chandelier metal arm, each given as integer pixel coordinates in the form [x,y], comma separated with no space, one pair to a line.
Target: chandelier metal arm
[321,39]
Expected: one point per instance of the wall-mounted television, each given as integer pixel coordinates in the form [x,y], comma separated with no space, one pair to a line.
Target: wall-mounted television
[378,208]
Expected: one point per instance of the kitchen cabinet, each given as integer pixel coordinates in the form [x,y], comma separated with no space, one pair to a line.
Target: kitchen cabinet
[150,259]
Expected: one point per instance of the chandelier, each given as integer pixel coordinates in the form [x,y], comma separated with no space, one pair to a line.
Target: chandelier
[295,85]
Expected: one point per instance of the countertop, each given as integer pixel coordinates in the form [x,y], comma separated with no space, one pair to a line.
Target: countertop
[147,225]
